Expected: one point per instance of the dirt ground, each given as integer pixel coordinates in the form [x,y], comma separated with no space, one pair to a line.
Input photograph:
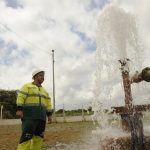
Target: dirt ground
[55,133]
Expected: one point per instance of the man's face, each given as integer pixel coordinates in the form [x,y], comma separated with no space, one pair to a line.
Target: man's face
[40,77]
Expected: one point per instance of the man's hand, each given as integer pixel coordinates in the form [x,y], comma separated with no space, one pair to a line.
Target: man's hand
[19,114]
[49,119]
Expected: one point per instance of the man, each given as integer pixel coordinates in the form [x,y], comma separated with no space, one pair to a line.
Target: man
[143,76]
[33,104]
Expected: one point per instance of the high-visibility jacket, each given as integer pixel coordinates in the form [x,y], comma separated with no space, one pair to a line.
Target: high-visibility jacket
[34,101]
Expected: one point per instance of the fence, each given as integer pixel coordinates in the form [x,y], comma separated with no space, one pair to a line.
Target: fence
[7,111]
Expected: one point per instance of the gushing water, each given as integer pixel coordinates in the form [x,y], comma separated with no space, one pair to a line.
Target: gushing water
[117,39]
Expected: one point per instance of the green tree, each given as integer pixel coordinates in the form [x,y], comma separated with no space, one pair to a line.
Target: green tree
[8,100]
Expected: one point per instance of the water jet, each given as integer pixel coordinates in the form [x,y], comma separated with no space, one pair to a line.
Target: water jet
[118,39]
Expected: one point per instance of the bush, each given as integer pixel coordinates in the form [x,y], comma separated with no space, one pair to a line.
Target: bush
[8,100]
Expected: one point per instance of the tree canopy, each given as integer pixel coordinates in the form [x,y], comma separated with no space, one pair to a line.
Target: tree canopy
[8,100]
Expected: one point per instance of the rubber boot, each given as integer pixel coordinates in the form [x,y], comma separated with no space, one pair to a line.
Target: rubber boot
[24,146]
[36,143]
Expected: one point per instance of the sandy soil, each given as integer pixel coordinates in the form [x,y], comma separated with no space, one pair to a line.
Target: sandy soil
[55,134]
[67,136]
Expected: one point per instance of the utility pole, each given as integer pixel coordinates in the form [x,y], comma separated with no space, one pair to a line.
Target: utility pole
[53,61]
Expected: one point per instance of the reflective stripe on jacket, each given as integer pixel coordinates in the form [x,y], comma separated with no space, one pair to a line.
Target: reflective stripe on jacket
[34,100]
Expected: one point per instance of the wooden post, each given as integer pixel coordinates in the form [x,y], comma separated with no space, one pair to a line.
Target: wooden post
[83,117]
[64,115]
[1,111]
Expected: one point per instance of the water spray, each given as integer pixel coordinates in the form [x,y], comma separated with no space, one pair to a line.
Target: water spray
[118,39]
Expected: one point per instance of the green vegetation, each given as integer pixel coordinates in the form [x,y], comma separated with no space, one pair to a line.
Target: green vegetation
[8,100]
[77,112]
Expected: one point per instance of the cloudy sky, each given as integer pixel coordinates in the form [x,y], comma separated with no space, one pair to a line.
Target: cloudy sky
[30,29]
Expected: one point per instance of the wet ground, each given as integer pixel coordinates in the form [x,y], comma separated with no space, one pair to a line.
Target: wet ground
[73,136]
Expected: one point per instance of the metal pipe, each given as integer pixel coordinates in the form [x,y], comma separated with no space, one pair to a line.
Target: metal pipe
[126,83]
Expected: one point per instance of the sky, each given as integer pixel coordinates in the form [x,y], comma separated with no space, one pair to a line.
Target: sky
[30,30]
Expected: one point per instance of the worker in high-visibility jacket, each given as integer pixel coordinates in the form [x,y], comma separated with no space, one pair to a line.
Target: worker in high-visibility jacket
[33,105]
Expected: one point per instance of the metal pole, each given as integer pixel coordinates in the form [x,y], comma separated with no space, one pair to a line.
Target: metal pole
[54,116]
[126,84]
